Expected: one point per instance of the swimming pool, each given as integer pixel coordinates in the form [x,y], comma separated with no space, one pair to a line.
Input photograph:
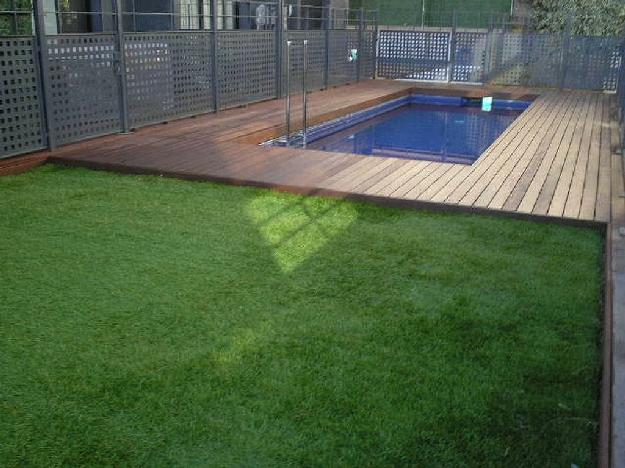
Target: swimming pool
[433,128]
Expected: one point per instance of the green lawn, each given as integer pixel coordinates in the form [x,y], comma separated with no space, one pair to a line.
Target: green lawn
[147,321]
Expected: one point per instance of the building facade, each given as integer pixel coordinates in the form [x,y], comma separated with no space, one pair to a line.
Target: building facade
[83,16]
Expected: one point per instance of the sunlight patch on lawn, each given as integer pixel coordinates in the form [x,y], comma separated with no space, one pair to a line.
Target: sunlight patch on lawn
[298,230]
[244,343]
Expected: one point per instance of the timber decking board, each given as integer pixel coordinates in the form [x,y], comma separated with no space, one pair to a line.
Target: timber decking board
[466,182]
[589,194]
[509,175]
[531,178]
[541,206]
[484,171]
[381,175]
[558,201]
[553,160]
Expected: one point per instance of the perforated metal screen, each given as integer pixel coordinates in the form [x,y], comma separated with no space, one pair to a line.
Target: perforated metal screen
[469,57]
[527,59]
[169,75]
[367,55]
[246,67]
[506,58]
[418,55]
[316,59]
[342,70]
[341,67]
[593,63]
[21,127]
[85,94]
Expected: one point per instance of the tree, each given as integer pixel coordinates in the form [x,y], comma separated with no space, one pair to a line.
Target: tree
[15,17]
[587,17]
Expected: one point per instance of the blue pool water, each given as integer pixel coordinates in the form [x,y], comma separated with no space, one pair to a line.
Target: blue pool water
[427,128]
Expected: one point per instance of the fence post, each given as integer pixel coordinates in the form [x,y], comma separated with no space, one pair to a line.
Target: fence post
[279,46]
[361,24]
[326,66]
[376,33]
[452,47]
[44,72]
[215,77]
[200,19]
[566,43]
[121,67]
[488,53]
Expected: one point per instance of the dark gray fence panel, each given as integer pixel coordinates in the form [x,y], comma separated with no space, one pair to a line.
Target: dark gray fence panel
[316,59]
[593,63]
[21,128]
[341,69]
[246,67]
[469,57]
[527,59]
[85,86]
[417,55]
[504,58]
[169,75]
[367,55]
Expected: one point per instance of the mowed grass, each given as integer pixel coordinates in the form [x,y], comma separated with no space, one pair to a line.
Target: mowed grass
[147,321]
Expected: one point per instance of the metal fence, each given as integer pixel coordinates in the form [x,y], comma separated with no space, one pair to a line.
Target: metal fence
[60,87]
[503,54]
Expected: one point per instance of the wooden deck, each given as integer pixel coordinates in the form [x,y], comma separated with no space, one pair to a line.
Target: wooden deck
[553,161]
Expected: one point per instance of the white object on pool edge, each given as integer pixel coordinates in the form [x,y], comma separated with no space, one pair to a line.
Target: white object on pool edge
[487,104]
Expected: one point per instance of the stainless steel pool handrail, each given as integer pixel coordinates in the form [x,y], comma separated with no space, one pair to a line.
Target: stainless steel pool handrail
[304,93]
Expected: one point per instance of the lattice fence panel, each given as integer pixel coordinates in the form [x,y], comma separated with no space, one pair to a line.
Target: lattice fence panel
[419,55]
[545,59]
[85,86]
[509,59]
[20,109]
[469,57]
[246,70]
[367,55]
[169,75]
[316,59]
[342,70]
[526,59]
[593,63]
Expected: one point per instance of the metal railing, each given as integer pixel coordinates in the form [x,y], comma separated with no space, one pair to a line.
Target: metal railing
[304,133]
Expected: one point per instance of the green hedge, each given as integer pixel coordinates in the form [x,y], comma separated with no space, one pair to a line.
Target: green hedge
[587,17]
[20,24]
